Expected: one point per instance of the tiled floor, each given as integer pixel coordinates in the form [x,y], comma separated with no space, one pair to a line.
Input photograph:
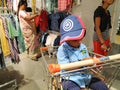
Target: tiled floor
[117,39]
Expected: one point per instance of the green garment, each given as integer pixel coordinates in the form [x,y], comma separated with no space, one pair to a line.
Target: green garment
[20,39]
[12,31]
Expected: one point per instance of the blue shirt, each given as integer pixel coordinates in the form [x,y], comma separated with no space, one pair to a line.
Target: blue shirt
[68,54]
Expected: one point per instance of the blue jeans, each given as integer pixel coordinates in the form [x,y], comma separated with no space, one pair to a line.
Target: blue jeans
[95,84]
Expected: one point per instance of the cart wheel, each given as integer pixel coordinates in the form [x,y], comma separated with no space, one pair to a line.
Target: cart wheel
[16,88]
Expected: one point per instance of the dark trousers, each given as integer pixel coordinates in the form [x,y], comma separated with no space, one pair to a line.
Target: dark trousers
[95,84]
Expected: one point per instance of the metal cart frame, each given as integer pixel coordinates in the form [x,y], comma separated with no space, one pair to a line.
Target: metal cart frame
[54,79]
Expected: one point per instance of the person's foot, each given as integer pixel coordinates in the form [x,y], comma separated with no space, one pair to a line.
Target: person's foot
[39,55]
[34,58]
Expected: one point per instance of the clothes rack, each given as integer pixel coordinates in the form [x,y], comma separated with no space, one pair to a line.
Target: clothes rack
[11,82]
[5,10]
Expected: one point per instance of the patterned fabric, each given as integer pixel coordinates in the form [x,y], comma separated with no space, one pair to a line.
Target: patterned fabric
[12,44]
[12,36]
[31,41]
[64,5]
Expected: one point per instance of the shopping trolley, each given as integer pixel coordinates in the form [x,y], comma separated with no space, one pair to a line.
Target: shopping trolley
[101,68]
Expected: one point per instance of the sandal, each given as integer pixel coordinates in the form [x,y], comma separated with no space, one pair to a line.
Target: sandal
[39,55]
[34,58]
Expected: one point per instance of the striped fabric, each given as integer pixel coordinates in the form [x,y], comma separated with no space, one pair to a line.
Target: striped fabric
[12,43]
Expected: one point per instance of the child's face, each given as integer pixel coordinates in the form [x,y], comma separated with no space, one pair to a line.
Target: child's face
[75,43]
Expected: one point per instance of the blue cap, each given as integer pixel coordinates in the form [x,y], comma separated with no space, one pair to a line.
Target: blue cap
[72,28]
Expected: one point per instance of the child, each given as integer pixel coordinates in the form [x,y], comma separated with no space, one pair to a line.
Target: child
[72,31]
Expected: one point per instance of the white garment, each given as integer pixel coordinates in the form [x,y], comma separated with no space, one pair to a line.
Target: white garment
[15,5]
[40,4]
[50,42]
[78,2]
[50,39]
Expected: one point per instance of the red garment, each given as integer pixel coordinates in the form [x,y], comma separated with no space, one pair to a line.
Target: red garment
[64,5]
[97,48]
[42,20]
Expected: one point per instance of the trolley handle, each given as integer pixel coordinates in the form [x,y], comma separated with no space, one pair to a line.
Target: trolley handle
[53,68]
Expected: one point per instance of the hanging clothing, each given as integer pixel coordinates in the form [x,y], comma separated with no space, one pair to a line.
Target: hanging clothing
[20,39]
[55,20]
[64,5]
[15,5]
[51,5]
[2,63]
[4,39]
[40,4]
[54,24]
[43,39]
[41,21]
[12,31]
[9,4]
[57,41]
[13,34]
[51,38]
[12,45]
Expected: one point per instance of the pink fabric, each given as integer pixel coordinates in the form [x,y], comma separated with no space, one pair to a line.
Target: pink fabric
[64,5]
[24,23]
[69,5]
[31,41]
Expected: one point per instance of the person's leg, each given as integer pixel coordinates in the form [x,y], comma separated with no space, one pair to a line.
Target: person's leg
[69,85]
[97,84]
[34,51]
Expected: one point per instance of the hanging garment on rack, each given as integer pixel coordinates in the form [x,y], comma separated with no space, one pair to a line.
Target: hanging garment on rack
[15,5]
[20,39]
[4,39]
[40,4]
[57,41]
[55,20]
[64,5]
[13,34]
[12,31]
[41,21]
[12,45]
[43,39]
[51,38]
[49,6]
[2,63]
